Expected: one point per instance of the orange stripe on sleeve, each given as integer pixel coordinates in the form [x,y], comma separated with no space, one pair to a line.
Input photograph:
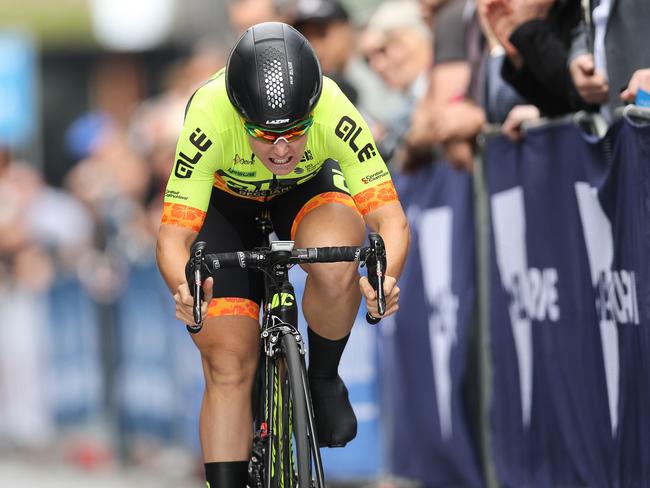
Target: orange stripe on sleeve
[183,216]
[375,197]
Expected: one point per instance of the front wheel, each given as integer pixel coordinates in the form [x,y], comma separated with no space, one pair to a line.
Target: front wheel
[308,462]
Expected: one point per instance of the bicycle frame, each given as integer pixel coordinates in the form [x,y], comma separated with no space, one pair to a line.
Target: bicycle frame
[280,317]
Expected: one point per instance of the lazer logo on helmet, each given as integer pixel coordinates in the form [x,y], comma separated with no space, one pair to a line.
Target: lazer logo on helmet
[277,121]
[348,131]
[185,164]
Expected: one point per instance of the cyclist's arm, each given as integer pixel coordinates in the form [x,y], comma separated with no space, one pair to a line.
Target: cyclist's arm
[390,222]
[172,252]
[186,199]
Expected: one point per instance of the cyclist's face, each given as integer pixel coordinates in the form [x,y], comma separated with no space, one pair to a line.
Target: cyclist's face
[282,157]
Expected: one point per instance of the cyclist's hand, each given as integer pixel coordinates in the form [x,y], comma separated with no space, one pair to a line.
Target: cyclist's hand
[185,301]
[391,290]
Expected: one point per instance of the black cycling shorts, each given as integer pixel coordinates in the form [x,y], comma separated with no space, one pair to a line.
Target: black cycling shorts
[230,226]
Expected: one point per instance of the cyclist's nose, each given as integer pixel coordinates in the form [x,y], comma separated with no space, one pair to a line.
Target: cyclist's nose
[281,148]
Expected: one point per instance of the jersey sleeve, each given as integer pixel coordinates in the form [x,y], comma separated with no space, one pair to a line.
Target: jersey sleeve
[190,183]
[350,142]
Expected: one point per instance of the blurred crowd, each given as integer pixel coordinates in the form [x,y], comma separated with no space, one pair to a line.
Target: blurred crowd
[428,76]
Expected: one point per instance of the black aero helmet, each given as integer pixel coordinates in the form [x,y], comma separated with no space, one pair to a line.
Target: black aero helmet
[273,77]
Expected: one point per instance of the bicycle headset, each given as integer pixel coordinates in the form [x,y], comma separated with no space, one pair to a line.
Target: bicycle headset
[273,77]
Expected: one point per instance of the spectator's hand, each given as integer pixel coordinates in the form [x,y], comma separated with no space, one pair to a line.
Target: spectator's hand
[592,86]
[499,17]
[517,116]
[185,301]
[457,120]
[526,10]
[640,80]
[419,132]
[460,154]
[486,28]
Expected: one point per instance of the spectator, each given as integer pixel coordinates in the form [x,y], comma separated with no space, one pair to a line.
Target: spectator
[454,118]
[40,228]
[327,27]
[398,47]
[495,95]
[608,70]
[244,13]
[536,36]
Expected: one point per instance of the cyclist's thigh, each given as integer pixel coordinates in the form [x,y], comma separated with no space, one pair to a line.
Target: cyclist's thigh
[230,226]
[319,212]
[229,338]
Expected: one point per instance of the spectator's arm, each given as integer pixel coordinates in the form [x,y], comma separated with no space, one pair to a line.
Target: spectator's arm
[579,42]
[543,79]
[591,85]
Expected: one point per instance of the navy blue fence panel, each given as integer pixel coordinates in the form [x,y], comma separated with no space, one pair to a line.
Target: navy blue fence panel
[559,301]
[74,354]
[426,343]
[159,373]
[624,290]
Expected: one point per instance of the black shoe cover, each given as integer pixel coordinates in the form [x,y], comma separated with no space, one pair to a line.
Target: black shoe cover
[336,424]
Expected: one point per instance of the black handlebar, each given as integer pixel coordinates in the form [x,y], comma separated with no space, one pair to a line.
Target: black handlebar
[201,266]
[261,259]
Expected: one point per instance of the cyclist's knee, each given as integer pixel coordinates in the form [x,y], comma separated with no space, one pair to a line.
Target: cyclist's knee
[229,349]
[335,279]
[226,369]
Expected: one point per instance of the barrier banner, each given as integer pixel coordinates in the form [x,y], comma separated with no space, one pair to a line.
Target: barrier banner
[424,349]
[74,357]
[624,290]
[146,339]
[563,294]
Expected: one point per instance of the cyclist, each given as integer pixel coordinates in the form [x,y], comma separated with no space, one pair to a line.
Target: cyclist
[269,131]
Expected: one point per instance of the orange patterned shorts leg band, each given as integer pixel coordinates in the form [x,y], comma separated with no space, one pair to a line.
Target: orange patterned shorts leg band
[317,201]
[242,307]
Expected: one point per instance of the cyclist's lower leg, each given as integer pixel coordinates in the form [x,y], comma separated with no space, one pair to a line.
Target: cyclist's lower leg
[330,304]
[229,352]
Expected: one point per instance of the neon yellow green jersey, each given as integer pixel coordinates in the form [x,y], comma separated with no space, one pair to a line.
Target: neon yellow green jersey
[213,152]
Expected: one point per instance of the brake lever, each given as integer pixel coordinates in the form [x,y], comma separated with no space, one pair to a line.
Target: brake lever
[376,265]
[196,288]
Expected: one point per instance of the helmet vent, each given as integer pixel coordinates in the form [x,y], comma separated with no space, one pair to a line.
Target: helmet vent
[274,77]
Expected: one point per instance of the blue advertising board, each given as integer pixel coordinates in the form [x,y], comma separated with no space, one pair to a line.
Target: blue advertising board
[18,108]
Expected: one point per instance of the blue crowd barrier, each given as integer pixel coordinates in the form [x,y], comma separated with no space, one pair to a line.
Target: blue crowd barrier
[430,437]
[159,376]
[569,283]
[74,357]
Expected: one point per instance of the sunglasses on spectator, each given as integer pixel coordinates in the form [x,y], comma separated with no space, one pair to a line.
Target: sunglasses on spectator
[271,136]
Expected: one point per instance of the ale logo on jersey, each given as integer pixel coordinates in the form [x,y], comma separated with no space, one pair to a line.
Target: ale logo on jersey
[348,131]
[185,164]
